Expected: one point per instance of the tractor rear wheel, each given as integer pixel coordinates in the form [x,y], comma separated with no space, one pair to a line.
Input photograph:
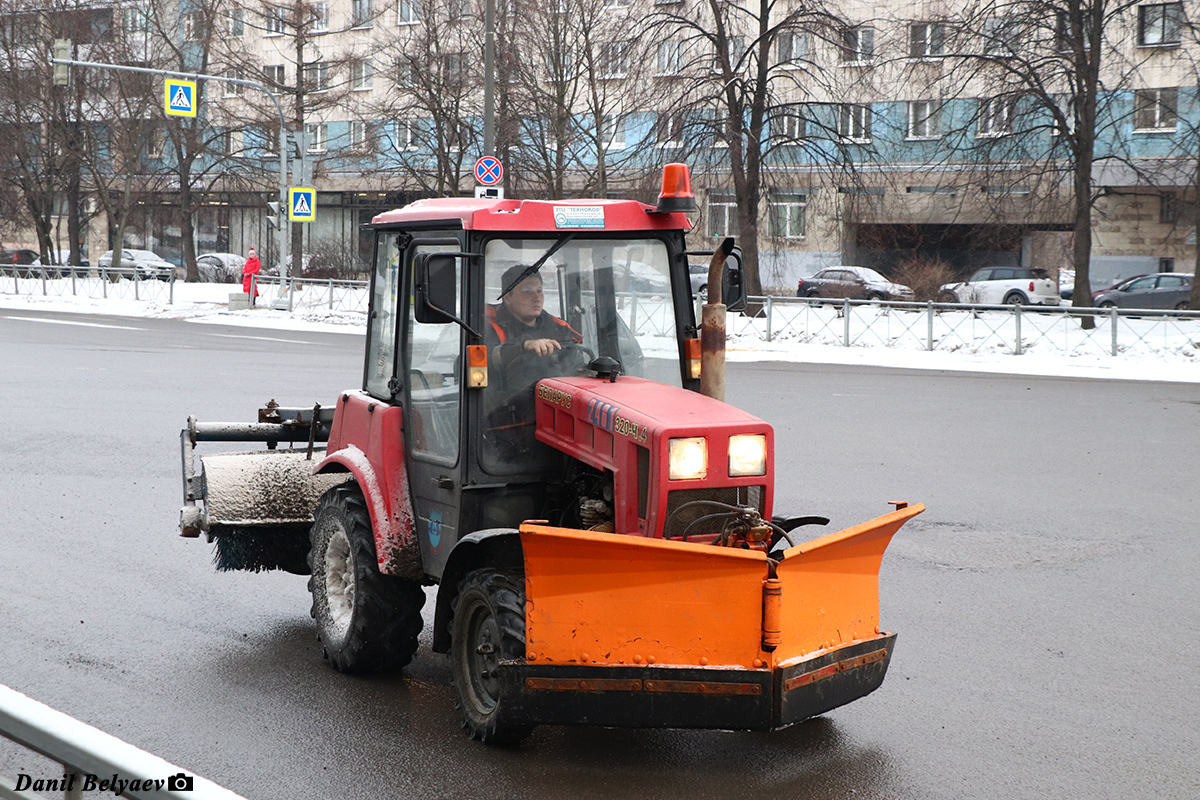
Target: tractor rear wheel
[367,621]
[487,627]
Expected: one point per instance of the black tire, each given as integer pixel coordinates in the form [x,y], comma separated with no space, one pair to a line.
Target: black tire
[1107,305]
[876,297]
[487,626]
[1015,299]
[947,297]
[367,621]
[1182,305]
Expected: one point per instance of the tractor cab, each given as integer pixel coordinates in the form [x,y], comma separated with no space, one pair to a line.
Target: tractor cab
[608,280]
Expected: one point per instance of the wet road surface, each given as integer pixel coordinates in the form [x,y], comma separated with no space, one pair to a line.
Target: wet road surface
[1045,602]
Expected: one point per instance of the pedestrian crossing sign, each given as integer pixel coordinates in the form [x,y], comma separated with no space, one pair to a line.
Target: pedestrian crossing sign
[180,97]
[302,205]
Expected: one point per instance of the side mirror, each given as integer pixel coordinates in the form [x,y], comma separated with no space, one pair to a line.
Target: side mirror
[733,291]
[436,289]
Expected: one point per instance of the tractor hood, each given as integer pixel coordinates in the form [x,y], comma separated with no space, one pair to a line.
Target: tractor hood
[664,445]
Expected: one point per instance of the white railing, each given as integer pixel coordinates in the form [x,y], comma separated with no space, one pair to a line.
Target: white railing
[92,760]
[313,294]
[95,283]
[1015,330]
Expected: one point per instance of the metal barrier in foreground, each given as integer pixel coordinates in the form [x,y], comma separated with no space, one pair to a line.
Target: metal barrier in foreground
[312,294]
[92,760]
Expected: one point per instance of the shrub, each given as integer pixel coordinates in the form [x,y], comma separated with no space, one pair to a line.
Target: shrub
[924,276]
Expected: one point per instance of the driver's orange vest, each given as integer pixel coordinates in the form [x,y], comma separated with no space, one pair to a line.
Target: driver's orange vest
[502,335]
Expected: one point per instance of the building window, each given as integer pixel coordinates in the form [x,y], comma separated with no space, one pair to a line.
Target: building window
[614,59]
[406,74]
[405,137]
[858,44]
[790,124]
[854,122]
[669,57]
[270,140]
[358,135]
[231,143]
[274,75]
[1000,36]
[276,21]
[155,144]
[612,132]
[924,119]
[457,10]
[616,3]
[453,68]
[785,216]
[318,137]
[316,76]
[409,12]
[1155,109]
[1159,25]
[791,47]
[722,215]
[233,89]
[135,20]
[362,13]
[926,39]
[996,116]
[319,17]
[668,129]
[361,75]
[236,22]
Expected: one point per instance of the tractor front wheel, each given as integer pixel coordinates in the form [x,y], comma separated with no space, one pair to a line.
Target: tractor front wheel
[367,621]
[487,627]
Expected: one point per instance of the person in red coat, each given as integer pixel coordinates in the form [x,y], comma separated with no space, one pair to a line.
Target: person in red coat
[252,268]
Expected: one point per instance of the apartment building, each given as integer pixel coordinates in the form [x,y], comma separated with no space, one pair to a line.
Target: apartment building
[868,133]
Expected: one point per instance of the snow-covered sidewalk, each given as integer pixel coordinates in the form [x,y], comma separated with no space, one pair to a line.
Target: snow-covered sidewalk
[208,303]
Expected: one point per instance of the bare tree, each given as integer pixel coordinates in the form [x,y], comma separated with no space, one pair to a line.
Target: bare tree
[1048,75]
[745,67]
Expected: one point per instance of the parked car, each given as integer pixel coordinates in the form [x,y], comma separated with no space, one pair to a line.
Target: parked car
[220,267]
[148,264]
[1122,282]
[698,273]
[855,283]
[18,256]
[1008,285]
[62,260]
[1164,290]
[1066,284]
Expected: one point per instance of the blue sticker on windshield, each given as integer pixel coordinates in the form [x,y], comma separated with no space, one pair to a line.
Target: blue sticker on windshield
[579,216]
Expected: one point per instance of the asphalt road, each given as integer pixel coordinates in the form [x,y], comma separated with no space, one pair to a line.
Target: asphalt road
[1045,602]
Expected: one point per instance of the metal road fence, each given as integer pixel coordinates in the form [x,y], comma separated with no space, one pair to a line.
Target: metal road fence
[92,760]
[946,327]
[96,283]
[309,294]
[950,327]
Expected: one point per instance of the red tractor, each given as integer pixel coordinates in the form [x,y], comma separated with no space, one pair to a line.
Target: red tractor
[602,534]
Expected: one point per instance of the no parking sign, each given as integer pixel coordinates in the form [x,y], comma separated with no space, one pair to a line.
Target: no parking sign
[489,171]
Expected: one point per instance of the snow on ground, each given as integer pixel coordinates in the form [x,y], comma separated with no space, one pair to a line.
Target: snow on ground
[208,303]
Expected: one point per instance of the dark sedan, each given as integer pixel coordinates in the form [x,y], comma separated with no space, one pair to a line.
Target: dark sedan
[1164,290]
[855,283]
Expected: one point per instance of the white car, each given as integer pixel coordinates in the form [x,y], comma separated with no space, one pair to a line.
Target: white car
[149,265]
[220,267]
[1003,285]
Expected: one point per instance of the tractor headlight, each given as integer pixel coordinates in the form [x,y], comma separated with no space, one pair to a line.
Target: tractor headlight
[687,458]
[747,455]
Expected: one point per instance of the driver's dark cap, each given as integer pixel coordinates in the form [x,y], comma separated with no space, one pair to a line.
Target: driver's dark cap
[510,276]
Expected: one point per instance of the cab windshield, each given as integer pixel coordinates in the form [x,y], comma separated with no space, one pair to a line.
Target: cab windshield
[590,298]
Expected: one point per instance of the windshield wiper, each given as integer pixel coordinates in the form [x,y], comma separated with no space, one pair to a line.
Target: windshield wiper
[535,266]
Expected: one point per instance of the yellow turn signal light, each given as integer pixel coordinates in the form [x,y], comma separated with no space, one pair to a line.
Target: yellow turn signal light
[477,366]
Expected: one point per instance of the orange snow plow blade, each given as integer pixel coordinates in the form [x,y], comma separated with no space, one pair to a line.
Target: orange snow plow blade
[622,630]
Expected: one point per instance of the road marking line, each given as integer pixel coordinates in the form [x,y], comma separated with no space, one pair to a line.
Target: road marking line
[262,338]
[70,322]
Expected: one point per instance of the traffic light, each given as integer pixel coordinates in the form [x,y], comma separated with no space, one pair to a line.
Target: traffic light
[62,52]
[273,217]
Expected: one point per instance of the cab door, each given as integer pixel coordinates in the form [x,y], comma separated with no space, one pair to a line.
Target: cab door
[431,375]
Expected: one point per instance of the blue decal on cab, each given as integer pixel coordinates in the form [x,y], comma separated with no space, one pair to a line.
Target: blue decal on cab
[601,414]
[435,528]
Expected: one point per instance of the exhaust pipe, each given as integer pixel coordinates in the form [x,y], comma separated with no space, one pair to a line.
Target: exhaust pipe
[712,327]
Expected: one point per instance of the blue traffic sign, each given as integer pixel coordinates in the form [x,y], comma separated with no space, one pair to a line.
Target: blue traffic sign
[180,98]
[489,170]
[302,205]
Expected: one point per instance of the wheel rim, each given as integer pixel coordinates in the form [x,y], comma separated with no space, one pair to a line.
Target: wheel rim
[482,656]
[339,583]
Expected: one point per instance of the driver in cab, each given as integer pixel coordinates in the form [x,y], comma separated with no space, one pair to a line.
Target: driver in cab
[519,327]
